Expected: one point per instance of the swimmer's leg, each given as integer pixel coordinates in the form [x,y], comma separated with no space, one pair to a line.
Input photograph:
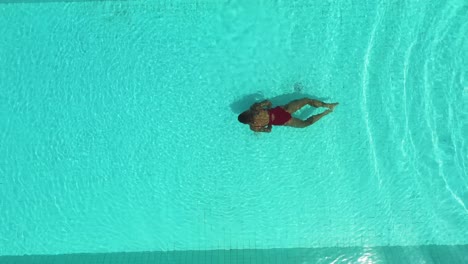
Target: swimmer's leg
[295,105]
[295,122]
[298,104]
[317,103]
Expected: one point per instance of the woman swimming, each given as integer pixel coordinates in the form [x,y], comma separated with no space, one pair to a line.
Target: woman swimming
[261,117]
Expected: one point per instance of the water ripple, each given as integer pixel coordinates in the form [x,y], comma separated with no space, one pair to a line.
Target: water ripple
[365,87]
[430,113]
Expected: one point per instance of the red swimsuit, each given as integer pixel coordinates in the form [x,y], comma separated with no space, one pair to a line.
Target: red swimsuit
[281,116]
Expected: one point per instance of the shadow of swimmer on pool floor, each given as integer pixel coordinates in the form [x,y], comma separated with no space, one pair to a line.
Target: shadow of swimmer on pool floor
[261,116]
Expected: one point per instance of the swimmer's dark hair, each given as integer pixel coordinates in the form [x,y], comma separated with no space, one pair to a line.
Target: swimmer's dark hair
[245,117]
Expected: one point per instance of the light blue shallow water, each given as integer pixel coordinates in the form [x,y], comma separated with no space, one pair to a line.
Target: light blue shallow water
[118,127]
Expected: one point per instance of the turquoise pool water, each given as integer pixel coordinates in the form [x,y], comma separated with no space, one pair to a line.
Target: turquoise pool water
[119,127]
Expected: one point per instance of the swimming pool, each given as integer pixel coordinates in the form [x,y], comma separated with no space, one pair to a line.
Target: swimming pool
[119,131]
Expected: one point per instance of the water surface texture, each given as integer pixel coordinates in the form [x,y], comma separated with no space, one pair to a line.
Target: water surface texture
[119,131]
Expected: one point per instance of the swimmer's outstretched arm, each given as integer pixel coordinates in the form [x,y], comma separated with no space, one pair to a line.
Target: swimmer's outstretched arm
[263,104]
[266,129]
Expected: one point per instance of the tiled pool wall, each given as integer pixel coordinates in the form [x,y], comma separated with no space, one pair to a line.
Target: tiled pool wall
[416,254]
